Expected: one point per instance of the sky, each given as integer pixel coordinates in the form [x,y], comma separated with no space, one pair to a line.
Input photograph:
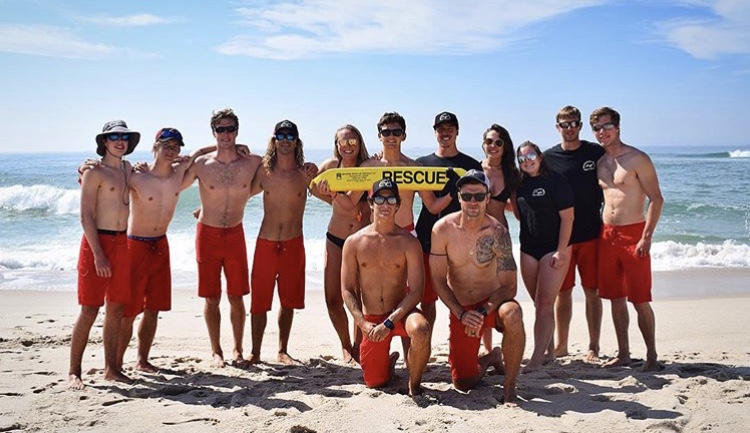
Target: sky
[678,72]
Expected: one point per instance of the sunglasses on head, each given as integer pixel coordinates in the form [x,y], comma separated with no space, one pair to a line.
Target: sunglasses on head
[223,129]
[115,137]
[379,199]
[169,133]
[606,126]
[570,124]
[349,141]
[498,142]
[389,132]
[477,196]
[288,137]
[531,156]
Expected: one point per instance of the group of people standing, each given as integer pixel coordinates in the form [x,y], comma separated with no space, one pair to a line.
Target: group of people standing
[580,206]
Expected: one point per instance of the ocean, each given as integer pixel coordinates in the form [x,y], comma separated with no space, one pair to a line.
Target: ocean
[705,222]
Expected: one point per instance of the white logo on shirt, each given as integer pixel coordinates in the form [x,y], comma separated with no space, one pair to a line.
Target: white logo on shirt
[589,165]
[539,192]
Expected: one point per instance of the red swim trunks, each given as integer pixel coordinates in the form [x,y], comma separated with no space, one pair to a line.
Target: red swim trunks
[92,289]
[584,255]
[218,247]
[463,350]
[282,262]
[375,357]
[150,275]
[428,296]
[621,272]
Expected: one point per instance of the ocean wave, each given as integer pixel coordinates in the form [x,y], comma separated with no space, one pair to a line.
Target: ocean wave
[739,154]
[39,198]
[714,155]
[670,255]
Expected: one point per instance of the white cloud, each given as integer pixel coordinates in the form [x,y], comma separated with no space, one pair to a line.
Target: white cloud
[726,33]
[48,41]
[310,28]
[138,20]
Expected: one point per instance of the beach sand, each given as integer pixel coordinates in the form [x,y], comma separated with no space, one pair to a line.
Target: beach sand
[702,339]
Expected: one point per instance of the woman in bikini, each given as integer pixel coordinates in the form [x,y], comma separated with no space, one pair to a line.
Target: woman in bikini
[350,213]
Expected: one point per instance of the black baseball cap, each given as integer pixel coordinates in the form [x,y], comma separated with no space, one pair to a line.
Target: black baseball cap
[473,176]
[445,117]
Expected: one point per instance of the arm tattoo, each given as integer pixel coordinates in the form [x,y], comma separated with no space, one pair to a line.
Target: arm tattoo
[505,261]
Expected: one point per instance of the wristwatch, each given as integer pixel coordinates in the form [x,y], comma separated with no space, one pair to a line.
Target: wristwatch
[388,323]
[482,310]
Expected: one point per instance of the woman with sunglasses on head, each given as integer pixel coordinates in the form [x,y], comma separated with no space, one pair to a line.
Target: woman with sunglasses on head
[349,214]
[544,207]
[500,168]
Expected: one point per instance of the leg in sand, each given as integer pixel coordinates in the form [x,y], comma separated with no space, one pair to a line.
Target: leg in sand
[647,325]
[594,321]
[258,323]
[419,331]
[334,300]
[126,334]
[286,316]
[621,320]
[514,341]
[563,315]
[237,314]
[146,333]
[78,341]
[111,337]
[212,315]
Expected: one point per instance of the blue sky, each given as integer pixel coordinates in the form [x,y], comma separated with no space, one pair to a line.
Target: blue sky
[677,71]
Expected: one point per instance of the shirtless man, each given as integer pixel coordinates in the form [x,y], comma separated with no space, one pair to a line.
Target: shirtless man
[154,192]
[627,177]
[280,248]
[474,274]
[392,132]
[224,181]
[575,160]
[378,263]
[103,262]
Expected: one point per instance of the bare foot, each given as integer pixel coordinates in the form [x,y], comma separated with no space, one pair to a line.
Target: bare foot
[285,359]
[592,356]
[117,376]
[254,359]
[561,351]
[75,382]
[348,357]
[218,361]
[618,362]
[147,367]
[415,390]
[652,365]
[548,358]
[496,360]
[510,399]
[529,368]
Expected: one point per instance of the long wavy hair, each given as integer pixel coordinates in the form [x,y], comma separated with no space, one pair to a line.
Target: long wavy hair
[362,156]
[508,160]
[543,170]
[270,159]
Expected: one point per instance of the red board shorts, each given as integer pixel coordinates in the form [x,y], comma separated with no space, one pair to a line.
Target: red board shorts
[585,256]
[375,357]
[429,296]
[281,262]
[463,350]
[150,275]
[218,247]
[92,289]
[621,272]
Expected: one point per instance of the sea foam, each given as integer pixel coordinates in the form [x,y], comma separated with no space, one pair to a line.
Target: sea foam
[40,198]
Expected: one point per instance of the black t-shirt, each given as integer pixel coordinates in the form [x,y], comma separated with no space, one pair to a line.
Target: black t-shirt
[427,220]
[539,201]
[578,167]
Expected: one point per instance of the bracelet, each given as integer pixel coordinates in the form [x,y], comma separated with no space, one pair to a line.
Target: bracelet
[482,310]
[461,317]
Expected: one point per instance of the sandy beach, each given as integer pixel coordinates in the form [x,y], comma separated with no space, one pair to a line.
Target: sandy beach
[702,339]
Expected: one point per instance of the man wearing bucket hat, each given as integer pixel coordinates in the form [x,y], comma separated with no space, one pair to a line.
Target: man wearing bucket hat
[104,262]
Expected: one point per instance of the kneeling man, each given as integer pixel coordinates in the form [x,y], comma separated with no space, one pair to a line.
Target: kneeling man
[379,262]
[474,274]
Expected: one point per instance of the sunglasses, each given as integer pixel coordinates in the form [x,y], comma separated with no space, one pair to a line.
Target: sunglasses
[287,137]
[115,137]
[531,156]
[349,141]
[389,132]
[223,129]
[569,125]
[498,142]
[170,133]
[379,199]
[605,126]
[477,196]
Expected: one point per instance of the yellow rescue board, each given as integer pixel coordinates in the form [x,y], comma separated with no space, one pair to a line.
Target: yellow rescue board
[407,178]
